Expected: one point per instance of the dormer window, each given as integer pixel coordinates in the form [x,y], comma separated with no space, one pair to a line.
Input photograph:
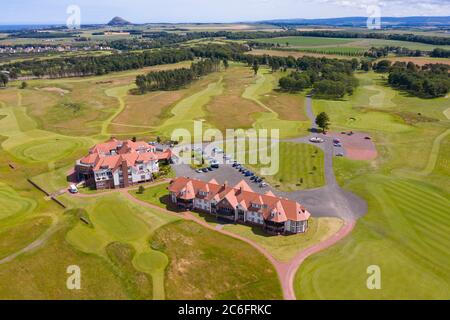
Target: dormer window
[203,193]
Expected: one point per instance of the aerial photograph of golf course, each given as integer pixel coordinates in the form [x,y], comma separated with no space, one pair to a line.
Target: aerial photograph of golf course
[336,187]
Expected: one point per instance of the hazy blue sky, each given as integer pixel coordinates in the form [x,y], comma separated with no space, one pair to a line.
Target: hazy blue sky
[139,11]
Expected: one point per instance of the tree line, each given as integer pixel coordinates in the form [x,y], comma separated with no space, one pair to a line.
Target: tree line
[329,78]
[96,65]
[100,65]
[428,81]
[175,79]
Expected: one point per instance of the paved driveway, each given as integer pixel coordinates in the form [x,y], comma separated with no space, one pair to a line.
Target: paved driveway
[329,201]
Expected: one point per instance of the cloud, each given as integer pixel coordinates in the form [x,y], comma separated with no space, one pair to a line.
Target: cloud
[420,7]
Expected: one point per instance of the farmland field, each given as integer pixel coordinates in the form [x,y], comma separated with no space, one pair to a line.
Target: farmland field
[342,46]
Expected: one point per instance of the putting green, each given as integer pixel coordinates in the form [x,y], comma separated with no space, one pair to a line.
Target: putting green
[12,204]
[154,263]
[46,150]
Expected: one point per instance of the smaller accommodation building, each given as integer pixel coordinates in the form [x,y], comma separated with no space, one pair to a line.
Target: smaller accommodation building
[241,204]
[120,164]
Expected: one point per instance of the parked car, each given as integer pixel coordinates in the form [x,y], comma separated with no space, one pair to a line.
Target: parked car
[253,178]
[73,189]
[199,171]
[368,138]
[215,165]
[205,170]
[210,169]
[340,154]
[249,174]
[263,185]
[316,140]
[259,180]
[336,141]
[337,145]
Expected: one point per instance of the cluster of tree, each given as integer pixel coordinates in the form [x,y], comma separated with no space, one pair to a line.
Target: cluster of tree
[42,35]
[330,78]
[96,65]
[175,79]
[4,79]
[399,51]
[440,53]
[435,40]
[430,81]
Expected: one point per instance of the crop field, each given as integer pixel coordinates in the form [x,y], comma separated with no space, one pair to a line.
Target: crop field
[406,229]
[342,46]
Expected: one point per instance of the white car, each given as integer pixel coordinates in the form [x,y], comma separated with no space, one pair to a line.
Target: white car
[73,188]
[316,140]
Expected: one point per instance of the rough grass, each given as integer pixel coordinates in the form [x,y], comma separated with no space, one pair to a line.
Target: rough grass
[43,274]
[208,265]
[230,110]
[16,237]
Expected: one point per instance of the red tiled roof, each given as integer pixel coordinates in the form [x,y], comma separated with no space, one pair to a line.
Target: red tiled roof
[271,207]
[101,156]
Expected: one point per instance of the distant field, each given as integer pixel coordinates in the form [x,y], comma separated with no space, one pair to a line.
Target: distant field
[342,46]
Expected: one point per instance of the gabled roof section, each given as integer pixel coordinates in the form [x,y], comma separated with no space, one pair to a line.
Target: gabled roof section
[271,207]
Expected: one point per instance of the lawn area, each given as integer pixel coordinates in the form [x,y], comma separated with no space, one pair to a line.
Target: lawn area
[301,166]
[157,195]
[284,248]
[208,265]
[406,233]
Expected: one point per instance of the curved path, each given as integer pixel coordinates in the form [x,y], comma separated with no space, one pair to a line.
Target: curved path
[39,242]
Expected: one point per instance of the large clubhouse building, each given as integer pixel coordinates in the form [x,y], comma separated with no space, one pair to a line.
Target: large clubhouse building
[240,204]
[120,164]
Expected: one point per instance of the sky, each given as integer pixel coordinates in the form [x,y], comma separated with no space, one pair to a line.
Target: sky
[153,11]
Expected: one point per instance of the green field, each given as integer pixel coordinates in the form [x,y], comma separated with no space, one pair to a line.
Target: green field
[301,166]
[406,229]
[129,251]
[342,46]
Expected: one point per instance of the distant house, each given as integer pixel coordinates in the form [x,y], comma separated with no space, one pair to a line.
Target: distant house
[120,164]
[240,204]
